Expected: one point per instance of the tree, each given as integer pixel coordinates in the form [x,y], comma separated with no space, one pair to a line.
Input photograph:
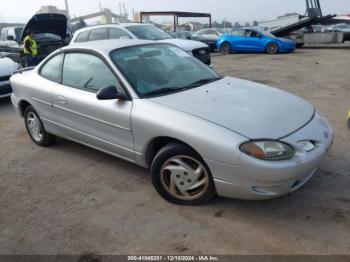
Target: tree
[255,23]
[237,25]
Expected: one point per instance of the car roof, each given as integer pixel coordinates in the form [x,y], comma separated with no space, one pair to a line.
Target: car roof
[109,25]
[106,46]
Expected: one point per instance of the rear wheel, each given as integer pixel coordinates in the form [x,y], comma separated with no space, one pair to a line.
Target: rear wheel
[225,48]
[272,48]
[181,176]
[35,128]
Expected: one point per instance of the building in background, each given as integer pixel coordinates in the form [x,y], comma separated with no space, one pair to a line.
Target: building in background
[52,9]
[191,26]
[105,16]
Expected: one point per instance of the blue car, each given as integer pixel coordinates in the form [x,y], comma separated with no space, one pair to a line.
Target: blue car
[254,40]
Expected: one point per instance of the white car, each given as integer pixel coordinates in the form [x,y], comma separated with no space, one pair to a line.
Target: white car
[212,33]
[7,69]
[144,32]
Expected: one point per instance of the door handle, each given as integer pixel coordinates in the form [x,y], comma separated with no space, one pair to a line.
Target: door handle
[61,100]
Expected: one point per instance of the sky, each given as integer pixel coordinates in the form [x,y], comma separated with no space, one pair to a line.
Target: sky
[232,10]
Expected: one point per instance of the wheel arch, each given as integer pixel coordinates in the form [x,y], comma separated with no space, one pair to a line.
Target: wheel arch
[225,42]
[273,42]
[158,143]
[22,105]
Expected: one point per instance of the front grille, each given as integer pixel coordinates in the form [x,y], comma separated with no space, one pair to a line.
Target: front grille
[203,54]
[4,78]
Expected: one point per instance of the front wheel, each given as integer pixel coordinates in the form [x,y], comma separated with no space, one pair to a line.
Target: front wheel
[272,48]
[35,128]
[181,176]
[225,48]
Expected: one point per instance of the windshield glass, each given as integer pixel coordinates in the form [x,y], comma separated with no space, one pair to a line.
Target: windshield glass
[18,32]
[149,32]
[159,69]
[265,32]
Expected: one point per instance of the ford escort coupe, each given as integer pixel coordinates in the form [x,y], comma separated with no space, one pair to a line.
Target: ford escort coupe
[155,105]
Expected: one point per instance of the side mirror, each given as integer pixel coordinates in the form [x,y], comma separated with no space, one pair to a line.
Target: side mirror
[10,38]
[110,93]
[188,37]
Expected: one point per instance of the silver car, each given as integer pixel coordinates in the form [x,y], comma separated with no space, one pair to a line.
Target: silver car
[157,106]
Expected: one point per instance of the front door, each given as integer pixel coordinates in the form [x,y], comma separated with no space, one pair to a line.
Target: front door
[253,42]
[104,125]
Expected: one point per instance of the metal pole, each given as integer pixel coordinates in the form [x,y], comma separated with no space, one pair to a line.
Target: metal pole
[67,8]
[177,23]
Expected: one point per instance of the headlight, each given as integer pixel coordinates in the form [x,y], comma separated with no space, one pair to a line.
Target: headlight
[268,150]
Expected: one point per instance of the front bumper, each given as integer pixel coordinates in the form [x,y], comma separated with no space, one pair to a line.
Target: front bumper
[254,179]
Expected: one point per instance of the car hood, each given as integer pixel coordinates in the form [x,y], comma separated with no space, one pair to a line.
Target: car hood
[187,45]
[253,110]
[47,23]
[7,67]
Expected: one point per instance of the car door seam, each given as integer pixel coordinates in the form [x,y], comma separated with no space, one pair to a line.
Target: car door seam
[91,136]
[92,118]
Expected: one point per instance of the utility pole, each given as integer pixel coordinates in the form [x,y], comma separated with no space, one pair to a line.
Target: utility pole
[67,8]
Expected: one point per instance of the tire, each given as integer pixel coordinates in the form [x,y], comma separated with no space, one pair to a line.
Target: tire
[181,176]
[35,128]
[225,48]
[272,48]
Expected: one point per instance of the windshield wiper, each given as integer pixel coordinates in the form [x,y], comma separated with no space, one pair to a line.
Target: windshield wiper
[167,90]
[204,81]
[164,90]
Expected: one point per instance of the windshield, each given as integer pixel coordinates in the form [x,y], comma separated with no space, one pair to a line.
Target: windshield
[149,32]
[159,69]
[18,32]
[264,32]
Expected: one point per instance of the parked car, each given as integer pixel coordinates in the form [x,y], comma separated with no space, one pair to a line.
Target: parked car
[7,69]
[51,32]
[11,35]
[345,28]
[191,36]
[155,105]
[143,32]
[254,40]
[213,33]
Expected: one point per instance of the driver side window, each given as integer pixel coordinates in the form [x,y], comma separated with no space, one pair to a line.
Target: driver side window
[87,72]
[250,33]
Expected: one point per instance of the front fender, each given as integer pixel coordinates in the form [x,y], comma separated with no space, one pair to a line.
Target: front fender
[151,120]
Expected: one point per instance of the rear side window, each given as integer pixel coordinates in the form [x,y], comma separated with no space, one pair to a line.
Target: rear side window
[83,37]
[98,34]
[87,72]
[116,33]
[53,68]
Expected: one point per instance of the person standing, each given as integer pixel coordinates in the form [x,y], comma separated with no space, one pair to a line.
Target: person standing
[30,49]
